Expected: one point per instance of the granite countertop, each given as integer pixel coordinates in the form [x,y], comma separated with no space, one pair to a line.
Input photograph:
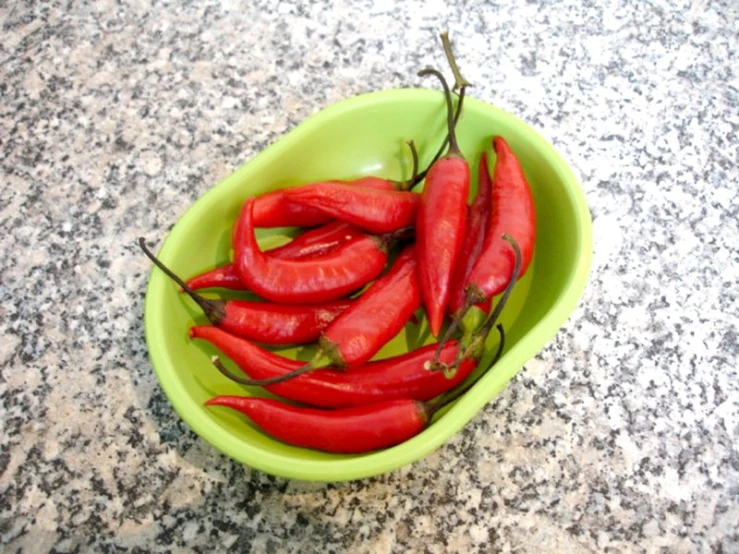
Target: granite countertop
[619,436]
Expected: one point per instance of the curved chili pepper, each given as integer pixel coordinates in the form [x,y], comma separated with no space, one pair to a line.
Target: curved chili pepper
[223,277]
[441,221]
[373,319]
[474,238]
[403,376]
[309,244]
[280,324]
[376,316]
[346,430]
[275,324]
[329,277]
[375,210]
[276,209]
[513,213]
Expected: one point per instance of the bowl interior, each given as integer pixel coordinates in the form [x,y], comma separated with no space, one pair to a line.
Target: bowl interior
[364,136]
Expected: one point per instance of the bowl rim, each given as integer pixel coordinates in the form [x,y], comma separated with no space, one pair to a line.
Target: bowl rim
[460,413]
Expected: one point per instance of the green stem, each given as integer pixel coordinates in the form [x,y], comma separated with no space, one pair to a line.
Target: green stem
[450,331]
[436,405]
[215,310]
[453,147]
[421,176]
[459,81]
[414,154]
[261,382]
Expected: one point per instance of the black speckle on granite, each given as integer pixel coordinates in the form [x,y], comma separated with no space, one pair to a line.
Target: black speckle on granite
[619,436]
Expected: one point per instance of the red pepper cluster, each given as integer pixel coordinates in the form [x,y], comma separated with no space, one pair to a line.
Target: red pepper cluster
[371,253]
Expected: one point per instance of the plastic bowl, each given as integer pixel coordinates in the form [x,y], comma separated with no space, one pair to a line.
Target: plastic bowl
[361,136]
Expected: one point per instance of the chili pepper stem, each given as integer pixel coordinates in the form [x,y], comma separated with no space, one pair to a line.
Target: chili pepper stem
[307,368]
[506,294]
[461,84]
[472,321]
[459,81]
[214,310]
[408,184]
[453,147]
[452,329]
[422,175]
[487,327]
[387,239]
[323,359]
[216,361]
[431,408]
[414,174]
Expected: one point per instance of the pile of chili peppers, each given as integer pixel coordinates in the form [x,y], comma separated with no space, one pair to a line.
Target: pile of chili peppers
[371,253]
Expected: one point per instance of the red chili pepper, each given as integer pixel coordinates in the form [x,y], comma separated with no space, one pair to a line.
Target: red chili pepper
[263,322]
[474,238]
[513,213]
[441,221]
[373,319]
[403,376]
[309,244]
[224,277]
[376,316]
[280,324]
[334,275]
[275,209]
[375,210]
[345,430]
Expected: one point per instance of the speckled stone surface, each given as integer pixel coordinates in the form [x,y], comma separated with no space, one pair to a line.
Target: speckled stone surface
[619,436]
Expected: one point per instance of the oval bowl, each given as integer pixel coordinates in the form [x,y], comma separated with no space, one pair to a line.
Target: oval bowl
[364,135]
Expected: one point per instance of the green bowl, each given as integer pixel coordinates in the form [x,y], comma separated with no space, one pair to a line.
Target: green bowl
[364,135]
